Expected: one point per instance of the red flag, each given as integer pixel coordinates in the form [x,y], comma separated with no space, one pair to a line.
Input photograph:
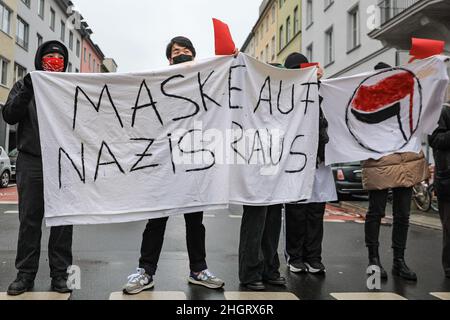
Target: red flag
[425,48]
[224,42]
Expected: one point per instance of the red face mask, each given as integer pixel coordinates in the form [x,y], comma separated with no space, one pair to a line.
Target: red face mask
[53,64]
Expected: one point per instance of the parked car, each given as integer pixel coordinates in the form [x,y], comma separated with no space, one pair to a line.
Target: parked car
[348,178]
[13,159]
[5,169]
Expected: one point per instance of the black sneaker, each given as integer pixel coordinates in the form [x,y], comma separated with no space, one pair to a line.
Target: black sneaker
[59,284]
[255,286]
[20,286]
[298,267]
[280,281]
[316,267]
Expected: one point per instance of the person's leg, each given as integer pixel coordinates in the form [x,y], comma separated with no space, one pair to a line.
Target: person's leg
[152,243]
[376,212]
[31,213]
[401,211]
[295,232]
[60,251]
[251,259]
[444,212]
[314,232]
[269,244]
[195,239]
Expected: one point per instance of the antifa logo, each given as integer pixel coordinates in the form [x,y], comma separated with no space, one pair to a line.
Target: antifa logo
[384,112]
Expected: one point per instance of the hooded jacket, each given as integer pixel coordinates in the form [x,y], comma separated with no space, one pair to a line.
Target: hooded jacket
[20,107]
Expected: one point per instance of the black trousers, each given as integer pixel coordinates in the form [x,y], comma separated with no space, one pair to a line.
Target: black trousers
[258,246]
[444,211]
[377,211]
[153,238]
[304,232]
[31,213]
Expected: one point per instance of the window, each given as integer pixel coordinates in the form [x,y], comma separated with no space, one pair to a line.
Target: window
[267,24]
[281,39]
[274,44]
[3,71]
[78,48]
[71,40]
[22,33]
[296,21]
[40,40]
[52,19]
[5,18]
[274,14]
[328,4]
[329,46]
[27,2]
[85,55]
[288,29]
[309,52]
[309,12]
[94,65]
[69,68]
[63,31]
[353,28]
[281,3]
[19,72]
[41,8]
[267,53]
[77,70]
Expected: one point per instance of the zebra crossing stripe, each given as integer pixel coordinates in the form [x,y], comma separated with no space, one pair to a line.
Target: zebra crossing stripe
[441,295]
[40,296]
[150,295]
[367,296]
[250,296]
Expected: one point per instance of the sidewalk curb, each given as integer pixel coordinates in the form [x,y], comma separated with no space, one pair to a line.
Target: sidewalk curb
[417,220]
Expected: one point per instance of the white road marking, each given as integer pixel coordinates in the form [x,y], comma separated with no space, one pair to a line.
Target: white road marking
[36,296]
[441,295]
[260,296]
[367,296]
[150,295]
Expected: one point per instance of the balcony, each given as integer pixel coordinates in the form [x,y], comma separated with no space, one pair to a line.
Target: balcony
[389,9]
[400,20]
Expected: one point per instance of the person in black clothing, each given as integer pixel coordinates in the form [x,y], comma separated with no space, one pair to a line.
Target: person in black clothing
[179,50]
[21,109]
[259,262]
[304,221]
[440,142]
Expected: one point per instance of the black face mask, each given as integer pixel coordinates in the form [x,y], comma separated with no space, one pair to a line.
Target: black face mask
[182,59]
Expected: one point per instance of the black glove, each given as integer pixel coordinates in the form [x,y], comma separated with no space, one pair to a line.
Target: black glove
[27,81]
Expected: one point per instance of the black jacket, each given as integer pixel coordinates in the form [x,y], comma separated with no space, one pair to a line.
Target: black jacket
[21,107]
[440,142]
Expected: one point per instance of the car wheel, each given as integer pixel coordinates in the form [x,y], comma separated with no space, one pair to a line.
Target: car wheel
[4,180]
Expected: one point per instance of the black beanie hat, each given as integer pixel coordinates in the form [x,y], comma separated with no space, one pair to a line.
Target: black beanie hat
[382,65]
[294,60]
[181,41]
[51,47]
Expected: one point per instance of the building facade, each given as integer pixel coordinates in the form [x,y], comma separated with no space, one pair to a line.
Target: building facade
[109,65]
[8,10]
[92,56]
[24,26]
[335,34]
[262,40]
[289,28]
[43,20]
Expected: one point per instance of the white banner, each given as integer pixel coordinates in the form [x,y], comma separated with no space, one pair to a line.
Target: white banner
[383,112]
[192,137]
